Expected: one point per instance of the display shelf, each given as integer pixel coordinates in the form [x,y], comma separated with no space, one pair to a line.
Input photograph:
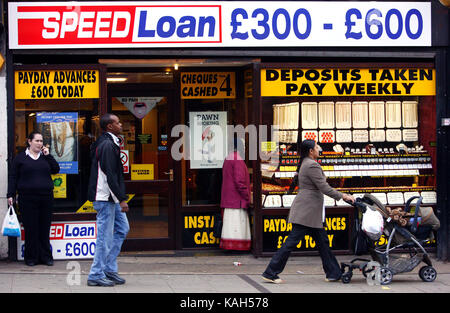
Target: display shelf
[380,153]
[395,196]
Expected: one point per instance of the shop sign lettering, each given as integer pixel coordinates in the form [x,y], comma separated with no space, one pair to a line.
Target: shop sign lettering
[348,82]
[51,25]
[198,231]
[208,85]
[63,84]
[69,240]
[276,230]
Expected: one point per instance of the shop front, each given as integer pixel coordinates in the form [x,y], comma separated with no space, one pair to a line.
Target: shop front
[184,81]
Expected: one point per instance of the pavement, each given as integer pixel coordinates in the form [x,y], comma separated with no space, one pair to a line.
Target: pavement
[206,273]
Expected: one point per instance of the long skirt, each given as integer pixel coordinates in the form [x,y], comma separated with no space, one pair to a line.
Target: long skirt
[236,233]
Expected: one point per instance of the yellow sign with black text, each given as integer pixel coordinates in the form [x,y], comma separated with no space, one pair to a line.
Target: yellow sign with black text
[198,231]
[276,230]
[56,84]
[348,82]
[208,85]
[142,172]
[88,206]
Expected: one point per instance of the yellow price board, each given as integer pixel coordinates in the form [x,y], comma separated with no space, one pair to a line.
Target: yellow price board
[56,84]
[268,146]
[348,82]
[208,85]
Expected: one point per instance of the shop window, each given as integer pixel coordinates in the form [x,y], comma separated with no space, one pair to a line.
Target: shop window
[68,126]
[384,144]
[203,185]
[380,145]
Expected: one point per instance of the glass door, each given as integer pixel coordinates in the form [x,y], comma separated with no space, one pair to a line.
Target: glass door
[148,167]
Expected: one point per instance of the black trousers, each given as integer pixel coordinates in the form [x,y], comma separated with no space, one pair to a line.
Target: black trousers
[278,262]
[36,211]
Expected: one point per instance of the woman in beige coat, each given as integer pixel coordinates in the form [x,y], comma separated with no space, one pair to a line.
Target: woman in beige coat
[307,215]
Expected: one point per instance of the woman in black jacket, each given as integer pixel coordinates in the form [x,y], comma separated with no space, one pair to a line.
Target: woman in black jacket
[30,176]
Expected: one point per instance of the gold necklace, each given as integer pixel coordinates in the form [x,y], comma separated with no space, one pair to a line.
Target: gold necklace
[61,138]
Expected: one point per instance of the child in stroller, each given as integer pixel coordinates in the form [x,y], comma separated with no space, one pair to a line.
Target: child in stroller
[403,230]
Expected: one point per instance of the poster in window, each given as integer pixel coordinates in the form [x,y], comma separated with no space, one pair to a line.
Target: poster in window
[140,106]
[59,131]
[208,139]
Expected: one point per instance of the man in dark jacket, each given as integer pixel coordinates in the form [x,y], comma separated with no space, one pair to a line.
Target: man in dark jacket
[107,192]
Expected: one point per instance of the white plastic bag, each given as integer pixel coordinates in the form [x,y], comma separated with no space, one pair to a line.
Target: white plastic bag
[11,226]
[372,224]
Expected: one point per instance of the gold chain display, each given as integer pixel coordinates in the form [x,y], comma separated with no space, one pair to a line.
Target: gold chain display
[59,138]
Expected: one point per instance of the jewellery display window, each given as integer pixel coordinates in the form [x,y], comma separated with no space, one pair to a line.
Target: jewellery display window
[384,145]
[379,145]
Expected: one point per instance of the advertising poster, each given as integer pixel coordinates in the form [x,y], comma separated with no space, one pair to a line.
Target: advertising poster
[198,231]
[208,139]
[69,240]
[59,186]
[219,24]
[208,85]
[57,84]
[348,82]
[59,131]
[140,106]
[276,229]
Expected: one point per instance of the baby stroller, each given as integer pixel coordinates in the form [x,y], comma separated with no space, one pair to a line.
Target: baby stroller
[408,231]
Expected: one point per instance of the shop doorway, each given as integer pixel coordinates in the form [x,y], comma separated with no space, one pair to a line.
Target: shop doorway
[142,101]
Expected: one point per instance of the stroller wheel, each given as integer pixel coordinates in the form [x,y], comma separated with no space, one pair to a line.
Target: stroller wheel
[346,277]
[427,274]
[385,276]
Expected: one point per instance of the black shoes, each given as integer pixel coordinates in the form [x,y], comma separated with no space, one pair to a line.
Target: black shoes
[48,263]
[33,263]
[30,263]
[115,278]
[104,282]
[110,280]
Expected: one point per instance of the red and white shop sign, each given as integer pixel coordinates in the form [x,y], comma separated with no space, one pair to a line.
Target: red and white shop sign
[109,24]
[120,24]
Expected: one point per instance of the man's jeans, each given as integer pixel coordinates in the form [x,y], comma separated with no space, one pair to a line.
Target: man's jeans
[279,260]
[112,229]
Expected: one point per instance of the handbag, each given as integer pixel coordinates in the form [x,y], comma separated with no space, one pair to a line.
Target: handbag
[218,223]
[11,226]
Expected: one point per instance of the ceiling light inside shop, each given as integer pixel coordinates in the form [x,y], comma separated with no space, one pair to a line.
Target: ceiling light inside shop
[116,79]
[225,62]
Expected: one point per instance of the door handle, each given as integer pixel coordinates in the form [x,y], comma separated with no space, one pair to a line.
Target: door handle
[170,173]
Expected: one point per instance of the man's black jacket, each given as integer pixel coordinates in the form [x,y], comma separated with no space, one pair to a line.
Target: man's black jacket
[106,171]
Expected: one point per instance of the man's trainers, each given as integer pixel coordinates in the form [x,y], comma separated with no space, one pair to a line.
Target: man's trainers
[115,278]
[276,280]
[104,282]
